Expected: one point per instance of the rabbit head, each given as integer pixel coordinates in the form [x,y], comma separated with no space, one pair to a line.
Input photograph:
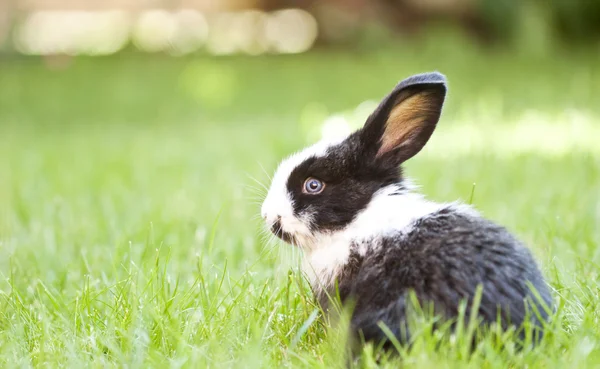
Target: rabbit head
[325,188]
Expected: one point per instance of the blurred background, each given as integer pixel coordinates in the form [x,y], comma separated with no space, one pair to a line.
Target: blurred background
[150,60]
[220,27]
[153,60]
[181,108]
[138,111]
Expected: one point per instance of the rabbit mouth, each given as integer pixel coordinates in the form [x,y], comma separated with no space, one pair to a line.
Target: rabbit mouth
[283,235]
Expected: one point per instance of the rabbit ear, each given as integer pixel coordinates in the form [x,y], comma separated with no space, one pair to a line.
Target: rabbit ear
[405,119]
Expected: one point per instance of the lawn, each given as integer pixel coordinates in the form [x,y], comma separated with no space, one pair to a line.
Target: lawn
[130,187]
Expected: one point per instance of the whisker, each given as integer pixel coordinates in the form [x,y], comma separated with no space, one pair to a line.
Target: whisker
[264,171]
[251,186]
[255,190]
[255,195]
[265,238]
[270,243]
[257,181]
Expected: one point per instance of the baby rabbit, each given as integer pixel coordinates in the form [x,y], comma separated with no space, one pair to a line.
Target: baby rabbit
[370,238]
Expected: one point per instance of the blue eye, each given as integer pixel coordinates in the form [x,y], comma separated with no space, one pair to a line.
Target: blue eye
[313,186]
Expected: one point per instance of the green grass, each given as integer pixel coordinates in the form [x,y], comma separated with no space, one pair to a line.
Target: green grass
[128,230]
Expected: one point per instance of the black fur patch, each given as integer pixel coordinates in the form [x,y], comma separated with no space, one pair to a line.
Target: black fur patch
[351,178]
[443,260]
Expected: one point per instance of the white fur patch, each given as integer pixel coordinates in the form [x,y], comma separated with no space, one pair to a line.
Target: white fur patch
[279,203]
[388,213]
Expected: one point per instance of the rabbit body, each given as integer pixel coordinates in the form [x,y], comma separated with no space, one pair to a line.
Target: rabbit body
[443,258]
[366,232]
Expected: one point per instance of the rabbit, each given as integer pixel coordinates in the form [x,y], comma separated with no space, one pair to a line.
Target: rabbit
[371,239]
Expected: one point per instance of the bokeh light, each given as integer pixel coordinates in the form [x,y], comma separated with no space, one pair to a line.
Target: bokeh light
[177,32]
[181,32]
[225,34]
[192,32]
[253,23]
[211,84]
[154,30]
[291,31]
[335,127]
[73,32]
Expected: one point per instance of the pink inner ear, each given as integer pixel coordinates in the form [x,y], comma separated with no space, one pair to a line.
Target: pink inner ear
[404,122]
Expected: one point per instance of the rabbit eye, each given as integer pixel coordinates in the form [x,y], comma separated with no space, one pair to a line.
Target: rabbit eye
[313,186]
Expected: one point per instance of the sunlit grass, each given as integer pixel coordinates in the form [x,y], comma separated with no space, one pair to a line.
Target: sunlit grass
[128,224]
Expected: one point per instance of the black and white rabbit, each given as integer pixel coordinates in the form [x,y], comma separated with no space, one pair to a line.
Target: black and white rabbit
[370,238]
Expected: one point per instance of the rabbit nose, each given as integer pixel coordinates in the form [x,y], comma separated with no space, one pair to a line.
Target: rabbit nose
[264,213]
